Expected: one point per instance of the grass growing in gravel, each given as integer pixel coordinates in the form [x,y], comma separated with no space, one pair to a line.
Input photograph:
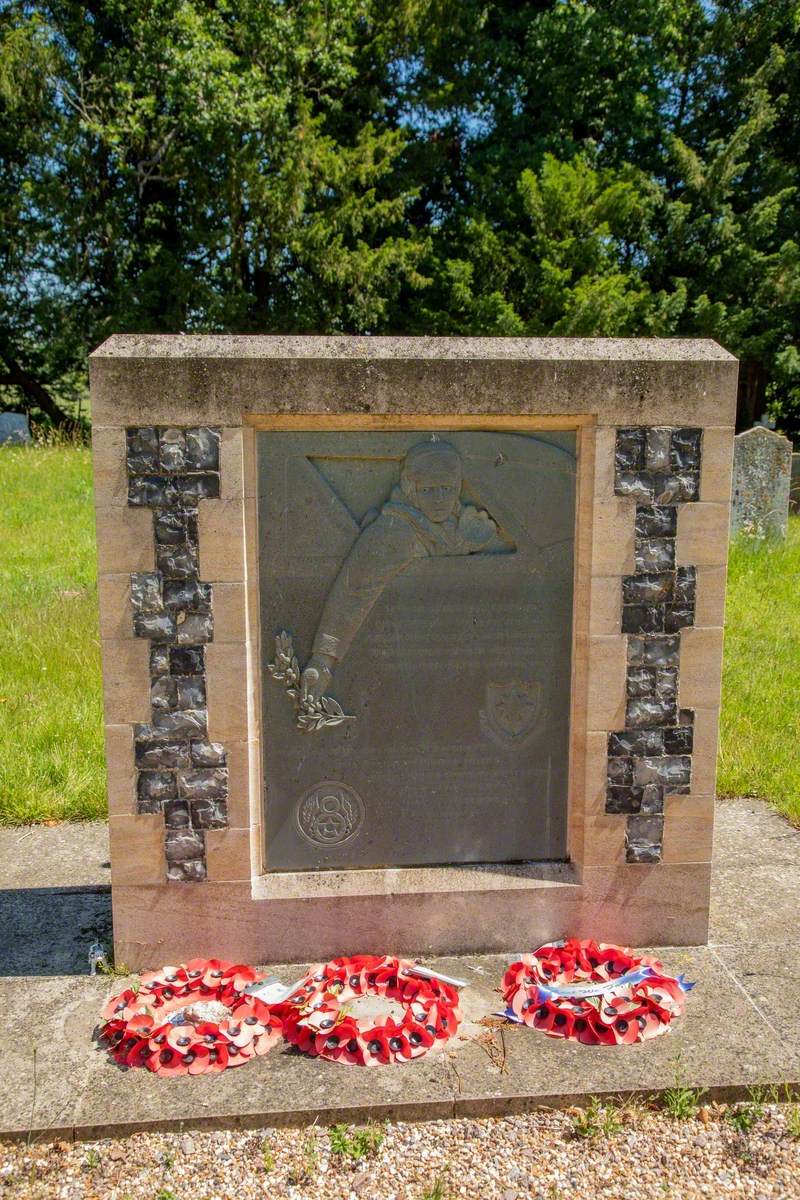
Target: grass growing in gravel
[761,675]
[356,1144]
[597,1120]
[51,755]
[436,1191]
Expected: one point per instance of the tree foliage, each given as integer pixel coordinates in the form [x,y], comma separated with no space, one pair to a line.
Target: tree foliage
[617,167]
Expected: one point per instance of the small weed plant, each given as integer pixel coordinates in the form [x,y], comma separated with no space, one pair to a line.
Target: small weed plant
[793,1121]
[356,1144]
[267,1156]
[744,1115]
[107,966]
[681,1102]
[305,1165]
[92,1159]
[435,1191]
[595,1120]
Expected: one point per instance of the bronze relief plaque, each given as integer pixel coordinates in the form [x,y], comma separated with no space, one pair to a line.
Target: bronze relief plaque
[416,620]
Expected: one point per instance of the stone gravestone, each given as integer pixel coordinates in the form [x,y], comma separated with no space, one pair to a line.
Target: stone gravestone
[410,644]
[794,485]
[14,429]
[762,463]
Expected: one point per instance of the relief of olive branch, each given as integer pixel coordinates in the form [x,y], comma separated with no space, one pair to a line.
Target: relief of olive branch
[310,715]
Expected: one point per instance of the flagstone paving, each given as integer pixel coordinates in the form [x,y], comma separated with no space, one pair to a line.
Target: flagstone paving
[740,1026]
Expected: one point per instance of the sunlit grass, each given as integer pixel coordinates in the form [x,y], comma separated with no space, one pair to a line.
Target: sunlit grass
[761,676]
[51,754]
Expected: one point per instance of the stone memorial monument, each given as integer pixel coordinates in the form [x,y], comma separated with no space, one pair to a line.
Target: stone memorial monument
[409,643]
[15,429]
[762,469]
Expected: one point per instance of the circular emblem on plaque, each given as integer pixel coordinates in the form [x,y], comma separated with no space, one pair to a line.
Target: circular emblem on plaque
[330,813]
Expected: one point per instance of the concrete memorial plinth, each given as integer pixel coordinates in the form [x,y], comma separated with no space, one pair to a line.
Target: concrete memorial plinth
[409,644]
[762,470]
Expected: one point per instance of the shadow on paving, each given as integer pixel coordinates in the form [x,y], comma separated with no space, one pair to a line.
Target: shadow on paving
[55,899]
[48,931]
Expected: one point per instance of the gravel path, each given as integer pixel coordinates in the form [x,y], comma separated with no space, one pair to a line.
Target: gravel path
[642,1155]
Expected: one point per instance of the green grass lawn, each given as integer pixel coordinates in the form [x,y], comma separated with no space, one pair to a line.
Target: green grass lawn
[761,677]
[51,753]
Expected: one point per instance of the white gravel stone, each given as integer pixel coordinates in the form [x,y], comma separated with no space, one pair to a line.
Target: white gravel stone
[533,1157]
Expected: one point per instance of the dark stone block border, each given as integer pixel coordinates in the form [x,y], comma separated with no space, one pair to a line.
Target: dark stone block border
[179,772]
[652,756]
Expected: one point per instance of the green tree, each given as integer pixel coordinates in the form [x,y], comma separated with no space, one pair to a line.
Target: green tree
[33,319]
[433,166]
[750,72]
[731,247]
[196,168]
[571,263]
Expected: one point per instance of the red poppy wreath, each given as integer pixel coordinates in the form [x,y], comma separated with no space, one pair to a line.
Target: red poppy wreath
[316,1022]
[194,1019]
[593,992]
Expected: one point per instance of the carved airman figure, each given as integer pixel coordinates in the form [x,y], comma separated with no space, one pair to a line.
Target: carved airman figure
[424,517]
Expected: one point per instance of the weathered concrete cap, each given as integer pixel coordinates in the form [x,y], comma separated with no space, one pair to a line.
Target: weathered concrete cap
[352,347]
[188,379]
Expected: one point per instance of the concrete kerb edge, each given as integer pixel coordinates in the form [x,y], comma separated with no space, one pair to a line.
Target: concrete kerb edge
[360,1114]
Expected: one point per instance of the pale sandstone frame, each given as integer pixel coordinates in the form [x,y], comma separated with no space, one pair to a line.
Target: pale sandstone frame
[595,389]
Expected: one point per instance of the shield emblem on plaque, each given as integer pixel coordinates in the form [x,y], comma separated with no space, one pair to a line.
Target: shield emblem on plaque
[512,711]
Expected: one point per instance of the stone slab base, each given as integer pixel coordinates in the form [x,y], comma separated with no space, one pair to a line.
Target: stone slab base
[465,911]
[729,1039]
[740,1026]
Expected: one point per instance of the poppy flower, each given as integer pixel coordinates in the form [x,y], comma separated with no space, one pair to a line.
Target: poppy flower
[196,1060]
[137,1055]
[376,1046]
[165,977]
[650,1024]
[267,1039]
[399,1043]
[117,1005]
[343,1044]
[551,1019]
[181,1037]
[300,1036]
[333,1042]
[213,971]
[240,977]
[619,1016]
[219,1058]
[238,1032]
[191,973]
[141,1025]
[419,1039]
[584,1027]
[442,1019]
[166,1061]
